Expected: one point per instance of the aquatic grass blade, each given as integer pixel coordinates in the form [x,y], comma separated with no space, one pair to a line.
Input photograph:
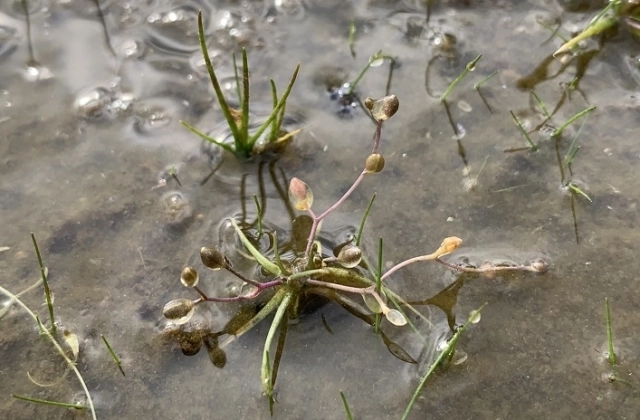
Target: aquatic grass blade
[206,137]
[573,187]
[46,332]
[214,82]
[244,129]
[445,353]
[47,291]
[265,371]
[541,105]
[364,219]
[236,78]
[282,338]
[560,129]
[347,410]
[259,209]
[378,316]
[274,113]
[274,123]
[113,354]
[612,355]
[48,402]
[532,145]
[261,259]
[485,80]
[596,26]
[469,67]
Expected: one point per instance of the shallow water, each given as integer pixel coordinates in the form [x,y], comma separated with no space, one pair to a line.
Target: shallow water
[90,136]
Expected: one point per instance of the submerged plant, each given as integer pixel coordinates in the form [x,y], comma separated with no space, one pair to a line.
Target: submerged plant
[293,282]
[245,142]
[616,12]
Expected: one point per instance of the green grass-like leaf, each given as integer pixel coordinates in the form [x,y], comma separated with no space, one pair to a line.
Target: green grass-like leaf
[48,402]
[347,410]
[47,291]
[533,146]
[444,355]
[261,259]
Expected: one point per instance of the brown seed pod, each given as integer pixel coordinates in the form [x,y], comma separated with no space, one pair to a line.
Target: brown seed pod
[179,310]
[212,258]
[374,163]
[189,277]
[350,256]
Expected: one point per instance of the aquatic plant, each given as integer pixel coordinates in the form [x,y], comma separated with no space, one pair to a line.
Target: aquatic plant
[245,142]
[70,339]
[616,12]
[292,283]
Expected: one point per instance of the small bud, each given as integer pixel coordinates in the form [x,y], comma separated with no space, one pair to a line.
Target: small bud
[350,256]
[300,194]
[179,310]
[212,258]
[449,245]
[385,108]
[374,163]
[189,277]
[539,266]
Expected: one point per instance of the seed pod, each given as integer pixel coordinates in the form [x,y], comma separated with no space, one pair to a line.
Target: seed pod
[385,108]
[350,256]
[395,317]
[300,194]
[212,258]
[368,103]
[449,245]
[217,356]
[374,163]
[189,277]
[179,310]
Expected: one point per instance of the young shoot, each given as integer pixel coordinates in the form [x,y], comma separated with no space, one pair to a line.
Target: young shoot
[244,141]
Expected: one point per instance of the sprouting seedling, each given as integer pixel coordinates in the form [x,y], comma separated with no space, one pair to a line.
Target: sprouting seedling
[532,145]
[238,120]
[471,66]
[45,283]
